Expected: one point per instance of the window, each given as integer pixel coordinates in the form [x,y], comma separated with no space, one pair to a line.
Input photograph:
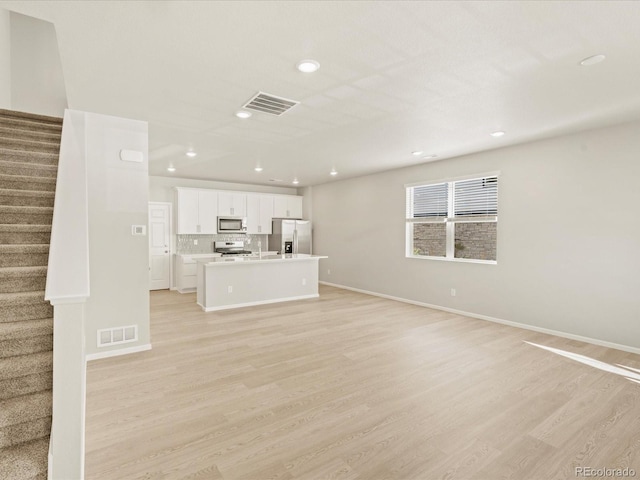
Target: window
[455,220]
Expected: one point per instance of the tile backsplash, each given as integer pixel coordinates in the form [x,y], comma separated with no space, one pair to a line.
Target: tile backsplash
[185,243]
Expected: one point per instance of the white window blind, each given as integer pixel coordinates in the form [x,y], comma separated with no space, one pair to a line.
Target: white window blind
[428,202]
[475,199]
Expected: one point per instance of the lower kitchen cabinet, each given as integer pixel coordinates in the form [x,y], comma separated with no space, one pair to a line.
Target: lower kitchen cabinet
[186,273]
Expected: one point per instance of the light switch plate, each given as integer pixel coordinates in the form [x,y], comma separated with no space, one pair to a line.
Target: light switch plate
[138,229]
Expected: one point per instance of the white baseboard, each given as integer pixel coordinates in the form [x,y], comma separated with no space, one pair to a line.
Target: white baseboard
[571,336]
[118,352]
[261,302]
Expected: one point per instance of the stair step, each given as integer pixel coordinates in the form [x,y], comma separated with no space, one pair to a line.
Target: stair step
[18,215]
[25,408]
[28,169]
[32,117]
[19,306]
[11,214]
[16,130]
[29,157]
[24,432]
[27,460]
[25,346]
[24,255]
[22,279]
[27,198]
[17,386]
[19,182]
[14,367]
[26,328]
[29,145]
[14,234]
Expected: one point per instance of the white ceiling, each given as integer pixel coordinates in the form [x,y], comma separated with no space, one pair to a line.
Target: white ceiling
[395,77]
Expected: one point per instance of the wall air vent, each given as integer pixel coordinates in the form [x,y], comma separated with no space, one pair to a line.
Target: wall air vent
[117,335]
[267,103]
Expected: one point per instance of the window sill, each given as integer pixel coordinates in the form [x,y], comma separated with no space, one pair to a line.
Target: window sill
[460,260]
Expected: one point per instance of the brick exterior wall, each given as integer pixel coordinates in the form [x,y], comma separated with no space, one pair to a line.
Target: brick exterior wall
[475,241]
[429,239]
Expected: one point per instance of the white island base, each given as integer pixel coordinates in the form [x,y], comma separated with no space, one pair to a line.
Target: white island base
[225,283]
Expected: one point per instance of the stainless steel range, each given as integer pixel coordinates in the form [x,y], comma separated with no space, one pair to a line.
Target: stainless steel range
[227,249]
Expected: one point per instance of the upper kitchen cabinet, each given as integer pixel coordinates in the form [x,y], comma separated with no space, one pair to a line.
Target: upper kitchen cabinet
[259,213]
[197,211]
[232,204]
[287,206]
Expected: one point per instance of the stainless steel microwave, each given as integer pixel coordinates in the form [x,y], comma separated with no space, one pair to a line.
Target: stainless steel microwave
[232,225]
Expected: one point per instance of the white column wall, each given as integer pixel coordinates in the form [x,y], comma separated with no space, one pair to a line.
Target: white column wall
[118,198]
[568,236]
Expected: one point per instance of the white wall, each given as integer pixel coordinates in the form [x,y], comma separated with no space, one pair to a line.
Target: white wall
[568,236]
[5,59]
[37,82]
[118,198]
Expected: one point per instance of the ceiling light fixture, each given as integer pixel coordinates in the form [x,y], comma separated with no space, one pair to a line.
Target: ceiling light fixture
[587,62]
[191,153]
[258,169]
[295,181]
[243,114]
[417,152]
[308,66]
[171,169]
[497,133]
[333,172]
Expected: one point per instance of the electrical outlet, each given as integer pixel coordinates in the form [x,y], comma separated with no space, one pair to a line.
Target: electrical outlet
[230,289]
[328,271]
[195,242]
[304,281]
[453,292]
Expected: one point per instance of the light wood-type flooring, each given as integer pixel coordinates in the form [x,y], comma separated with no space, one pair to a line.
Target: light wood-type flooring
[351,386]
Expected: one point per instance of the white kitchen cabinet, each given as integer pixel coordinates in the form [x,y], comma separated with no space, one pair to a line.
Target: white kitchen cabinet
[259,213]
[197,211]
[186,274]
[232,204]
[287,206]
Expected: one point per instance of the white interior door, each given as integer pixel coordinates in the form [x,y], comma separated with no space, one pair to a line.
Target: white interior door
[159,246]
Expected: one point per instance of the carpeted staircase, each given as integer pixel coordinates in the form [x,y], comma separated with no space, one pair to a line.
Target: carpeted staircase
[29,146]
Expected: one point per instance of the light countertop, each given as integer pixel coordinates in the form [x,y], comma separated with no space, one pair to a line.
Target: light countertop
[215,255]
[299,257]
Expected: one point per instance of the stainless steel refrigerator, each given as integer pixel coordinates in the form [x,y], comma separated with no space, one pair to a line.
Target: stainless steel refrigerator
[290,236]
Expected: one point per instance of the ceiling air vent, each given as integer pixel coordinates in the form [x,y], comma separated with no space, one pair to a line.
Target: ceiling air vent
[266,103]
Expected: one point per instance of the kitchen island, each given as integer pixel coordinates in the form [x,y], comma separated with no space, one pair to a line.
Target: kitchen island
[233,282]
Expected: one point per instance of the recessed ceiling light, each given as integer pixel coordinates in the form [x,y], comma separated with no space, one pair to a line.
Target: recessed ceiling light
[308,66]
[243,114]
[427,157]
[295,181]
[498,133]
[586,62]
[191,154]
[171,169]
[258,169]
[333,172]
[417,152]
